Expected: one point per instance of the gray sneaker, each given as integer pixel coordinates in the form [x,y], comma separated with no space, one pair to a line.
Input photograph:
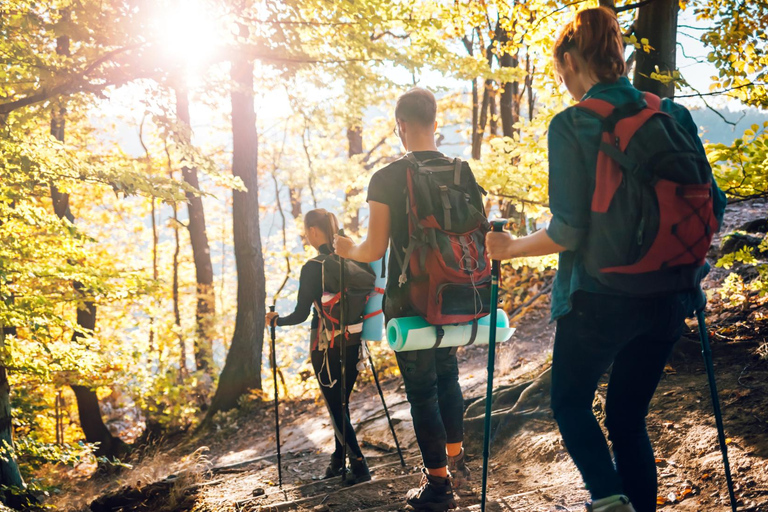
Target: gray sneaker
[615,503]
[459,471]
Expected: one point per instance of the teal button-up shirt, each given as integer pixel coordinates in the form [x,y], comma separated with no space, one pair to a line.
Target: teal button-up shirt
[573,140]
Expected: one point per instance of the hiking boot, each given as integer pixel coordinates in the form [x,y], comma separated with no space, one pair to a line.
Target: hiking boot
[435,494]
[458,470]
[358,472]
[334,468]
[615,503]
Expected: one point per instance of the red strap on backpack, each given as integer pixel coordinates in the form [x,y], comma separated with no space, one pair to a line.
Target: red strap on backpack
[608,175]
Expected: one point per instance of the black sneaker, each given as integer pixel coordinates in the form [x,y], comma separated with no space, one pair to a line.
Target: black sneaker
[435,494]
[358,472]
[459,471]
[334,468]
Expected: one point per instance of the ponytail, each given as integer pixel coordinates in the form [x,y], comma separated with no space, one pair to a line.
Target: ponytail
[596,35]
[323,220]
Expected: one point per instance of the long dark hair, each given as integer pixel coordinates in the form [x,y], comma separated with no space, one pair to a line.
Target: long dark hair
[323,220]
[596,35]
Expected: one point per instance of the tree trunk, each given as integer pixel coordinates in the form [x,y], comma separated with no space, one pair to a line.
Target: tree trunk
[9,470]
[175,294]
[355,141]
[87,401]
[494,111]
[206,300]
[295,195]
[477,142]
[510,98]
[242,370]
[657,22]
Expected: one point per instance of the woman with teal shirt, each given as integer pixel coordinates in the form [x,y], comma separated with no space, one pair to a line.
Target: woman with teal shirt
[599,326]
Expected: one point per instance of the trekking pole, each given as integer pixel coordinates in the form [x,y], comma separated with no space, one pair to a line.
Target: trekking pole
[277,411]
[498,226]
[386,411]
[343,352]
[706,351]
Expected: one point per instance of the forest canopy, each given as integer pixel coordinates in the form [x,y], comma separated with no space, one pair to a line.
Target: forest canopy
[157,157]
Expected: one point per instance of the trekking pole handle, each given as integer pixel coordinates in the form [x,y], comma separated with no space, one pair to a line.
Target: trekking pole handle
[272,329]
[498,225]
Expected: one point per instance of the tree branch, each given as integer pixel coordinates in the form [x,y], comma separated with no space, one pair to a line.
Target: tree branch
[718,93]
[629,7]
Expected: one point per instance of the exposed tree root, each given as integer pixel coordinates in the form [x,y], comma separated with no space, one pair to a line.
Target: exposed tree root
[512,406]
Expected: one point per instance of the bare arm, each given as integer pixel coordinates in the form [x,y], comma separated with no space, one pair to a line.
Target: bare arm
[501,246]
[375,245]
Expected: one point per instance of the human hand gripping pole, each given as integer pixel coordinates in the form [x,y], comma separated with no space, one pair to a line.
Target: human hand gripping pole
[498,226]
[277,411]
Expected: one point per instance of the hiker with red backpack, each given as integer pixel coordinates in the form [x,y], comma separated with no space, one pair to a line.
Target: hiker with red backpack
[634,208]
[430,209]
[319,292]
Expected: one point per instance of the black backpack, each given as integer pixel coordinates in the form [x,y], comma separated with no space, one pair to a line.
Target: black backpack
[359,281]
[652,218]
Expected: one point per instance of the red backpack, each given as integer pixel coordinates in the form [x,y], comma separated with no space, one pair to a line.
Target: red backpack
[652,218]
[446,264]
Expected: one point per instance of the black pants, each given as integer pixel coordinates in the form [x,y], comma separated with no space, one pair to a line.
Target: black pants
[636,336]
[431,380]
[332,394]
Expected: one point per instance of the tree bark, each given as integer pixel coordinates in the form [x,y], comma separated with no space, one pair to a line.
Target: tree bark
[87,401]
[242,370]
[510,98]
[9,470]
[295,195]
[355,147]
[477,142]
[494,114]
[206,300]
[657,22]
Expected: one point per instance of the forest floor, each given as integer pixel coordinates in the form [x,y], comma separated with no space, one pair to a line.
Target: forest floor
[232,467]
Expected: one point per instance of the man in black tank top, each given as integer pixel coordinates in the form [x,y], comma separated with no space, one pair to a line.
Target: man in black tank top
[431,376]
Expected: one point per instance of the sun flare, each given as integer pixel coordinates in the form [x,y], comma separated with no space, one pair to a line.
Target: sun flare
[189,32]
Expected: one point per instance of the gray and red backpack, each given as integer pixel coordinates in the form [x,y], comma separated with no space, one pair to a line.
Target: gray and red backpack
[652,218]
[445,265]
[359,286]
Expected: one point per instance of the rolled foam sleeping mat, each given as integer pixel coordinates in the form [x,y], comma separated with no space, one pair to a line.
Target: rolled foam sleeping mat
[414,333]
[373,328]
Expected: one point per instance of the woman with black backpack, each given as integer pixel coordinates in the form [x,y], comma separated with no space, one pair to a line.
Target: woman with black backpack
[319,228]
[634,206]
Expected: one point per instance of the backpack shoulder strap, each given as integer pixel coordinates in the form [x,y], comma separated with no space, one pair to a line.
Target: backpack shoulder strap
[653,101]
[457,171]
[412,160]
[599,108]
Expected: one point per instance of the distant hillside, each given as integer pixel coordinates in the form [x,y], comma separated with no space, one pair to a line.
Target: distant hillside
[714,129]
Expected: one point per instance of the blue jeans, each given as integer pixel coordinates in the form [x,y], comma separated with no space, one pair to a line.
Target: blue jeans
[636,336]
